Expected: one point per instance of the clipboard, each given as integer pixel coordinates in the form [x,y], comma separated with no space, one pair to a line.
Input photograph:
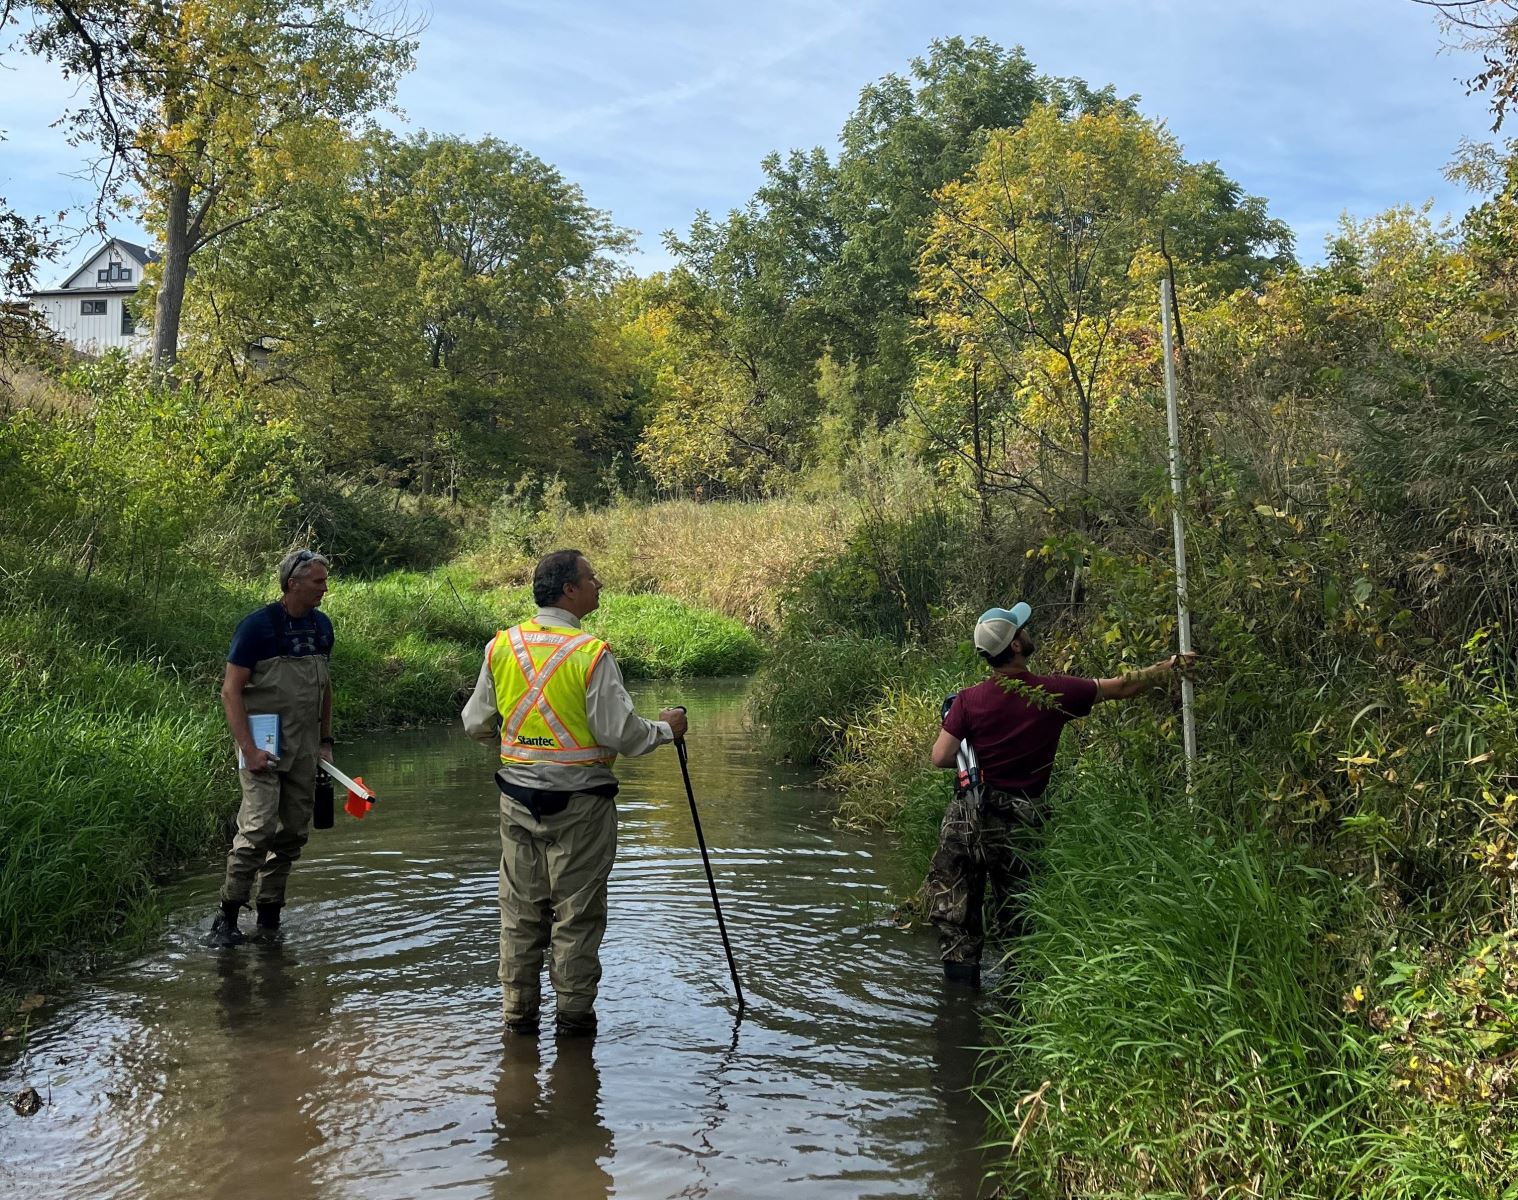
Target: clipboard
[263,728]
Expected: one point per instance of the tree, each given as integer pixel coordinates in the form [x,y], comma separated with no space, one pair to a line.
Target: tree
[1489,27]
[1039,279]
[205,113]
[439,317]
[24,244]
[907,137]
[813,278]
[1032,264]
[741,329]
[794,318]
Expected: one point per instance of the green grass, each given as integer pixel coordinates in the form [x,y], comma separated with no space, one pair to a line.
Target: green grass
[811,690]
[1175,994]
[659,637]
[110,780]
[653,637]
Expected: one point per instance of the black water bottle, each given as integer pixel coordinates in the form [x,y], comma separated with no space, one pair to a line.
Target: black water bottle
[321,812]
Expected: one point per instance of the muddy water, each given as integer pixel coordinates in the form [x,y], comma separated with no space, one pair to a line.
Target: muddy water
[362,1057]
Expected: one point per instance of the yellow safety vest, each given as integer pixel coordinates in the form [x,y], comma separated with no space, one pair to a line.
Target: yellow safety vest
[540,674]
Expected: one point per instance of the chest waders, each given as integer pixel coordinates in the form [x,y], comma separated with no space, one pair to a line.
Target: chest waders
[954,890]
[274,819]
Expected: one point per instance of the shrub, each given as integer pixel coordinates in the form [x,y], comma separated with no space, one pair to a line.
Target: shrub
[366,529]
[812,687]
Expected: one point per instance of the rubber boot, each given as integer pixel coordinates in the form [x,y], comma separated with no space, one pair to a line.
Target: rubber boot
[224,931]
[522,1027]
[267,929]
[962,972]
[574,1025]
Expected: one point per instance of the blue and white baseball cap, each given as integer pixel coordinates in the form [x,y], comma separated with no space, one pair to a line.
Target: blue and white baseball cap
[997,627]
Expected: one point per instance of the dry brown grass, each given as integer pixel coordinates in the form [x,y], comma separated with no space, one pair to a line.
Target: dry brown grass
[24,387]
[736,557]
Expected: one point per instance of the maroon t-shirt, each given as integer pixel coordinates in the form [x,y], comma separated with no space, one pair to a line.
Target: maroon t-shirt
[1014,736]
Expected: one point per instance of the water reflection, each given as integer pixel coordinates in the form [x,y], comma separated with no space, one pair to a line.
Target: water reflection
[361,1056]
[265,1116]
[957,1037]
[549,1135]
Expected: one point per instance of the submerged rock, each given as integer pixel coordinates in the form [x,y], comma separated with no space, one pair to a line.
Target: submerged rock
[27,1102]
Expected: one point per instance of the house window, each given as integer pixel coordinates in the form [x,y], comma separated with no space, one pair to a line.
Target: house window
[128,320]
[92,308]
[115,273]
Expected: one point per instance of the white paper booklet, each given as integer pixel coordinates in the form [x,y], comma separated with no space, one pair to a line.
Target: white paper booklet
[265,730]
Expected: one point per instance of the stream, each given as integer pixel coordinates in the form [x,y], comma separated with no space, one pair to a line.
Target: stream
[362,1056]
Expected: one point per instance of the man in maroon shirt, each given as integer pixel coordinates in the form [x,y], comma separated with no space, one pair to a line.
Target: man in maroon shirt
[1013,722]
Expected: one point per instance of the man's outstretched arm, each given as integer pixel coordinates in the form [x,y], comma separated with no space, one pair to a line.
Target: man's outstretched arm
[1130,684]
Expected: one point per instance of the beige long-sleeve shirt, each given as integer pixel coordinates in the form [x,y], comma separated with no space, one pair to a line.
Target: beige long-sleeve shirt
[609,708]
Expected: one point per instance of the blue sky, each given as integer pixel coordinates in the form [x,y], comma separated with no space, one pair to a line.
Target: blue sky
[657,110]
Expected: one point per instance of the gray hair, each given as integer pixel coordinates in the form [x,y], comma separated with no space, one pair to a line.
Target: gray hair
[296,564]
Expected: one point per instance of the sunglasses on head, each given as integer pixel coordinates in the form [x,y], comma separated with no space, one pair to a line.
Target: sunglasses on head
[301,559]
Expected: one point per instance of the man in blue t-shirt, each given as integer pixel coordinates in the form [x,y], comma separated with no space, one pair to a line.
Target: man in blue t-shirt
[277,682]
[1013,721]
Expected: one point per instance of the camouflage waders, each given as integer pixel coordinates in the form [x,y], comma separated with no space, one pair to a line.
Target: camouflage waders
[990,845]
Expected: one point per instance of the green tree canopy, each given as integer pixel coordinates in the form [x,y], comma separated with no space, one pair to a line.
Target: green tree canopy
[441,317]
[797,312]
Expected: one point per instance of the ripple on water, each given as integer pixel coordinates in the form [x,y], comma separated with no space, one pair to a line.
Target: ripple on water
[362,1056]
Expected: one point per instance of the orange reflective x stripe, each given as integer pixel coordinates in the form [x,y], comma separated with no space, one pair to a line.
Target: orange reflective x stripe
[537,679]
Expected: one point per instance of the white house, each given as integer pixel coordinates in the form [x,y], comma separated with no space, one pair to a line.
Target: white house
[93,309]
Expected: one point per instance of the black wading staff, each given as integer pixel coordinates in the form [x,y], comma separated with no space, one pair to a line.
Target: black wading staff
[707,863]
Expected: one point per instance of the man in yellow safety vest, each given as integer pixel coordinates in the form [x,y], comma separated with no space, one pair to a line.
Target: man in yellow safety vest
[554,698]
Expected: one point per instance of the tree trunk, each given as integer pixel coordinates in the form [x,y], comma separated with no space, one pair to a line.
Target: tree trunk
[176,266]
[977,428]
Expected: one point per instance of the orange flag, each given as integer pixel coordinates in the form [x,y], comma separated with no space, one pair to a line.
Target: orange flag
[358,804]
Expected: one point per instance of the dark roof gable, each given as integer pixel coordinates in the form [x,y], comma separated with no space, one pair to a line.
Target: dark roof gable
[142,254]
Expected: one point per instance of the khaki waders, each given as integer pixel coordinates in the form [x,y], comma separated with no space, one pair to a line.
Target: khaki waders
[274,820]
[553,902]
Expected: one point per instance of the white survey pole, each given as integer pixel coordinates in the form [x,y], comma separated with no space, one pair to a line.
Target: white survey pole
[1182,602]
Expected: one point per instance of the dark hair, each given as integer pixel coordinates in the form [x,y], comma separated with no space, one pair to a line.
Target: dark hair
[555,572]
[1003,658]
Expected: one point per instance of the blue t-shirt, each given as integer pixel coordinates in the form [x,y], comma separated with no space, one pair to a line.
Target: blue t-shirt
[270,632]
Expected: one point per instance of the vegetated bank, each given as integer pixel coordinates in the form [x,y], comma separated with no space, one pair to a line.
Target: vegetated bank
[1301,980]
[143,523]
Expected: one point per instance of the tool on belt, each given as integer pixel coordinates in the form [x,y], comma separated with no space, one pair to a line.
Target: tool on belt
[969,766]
[968,783]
